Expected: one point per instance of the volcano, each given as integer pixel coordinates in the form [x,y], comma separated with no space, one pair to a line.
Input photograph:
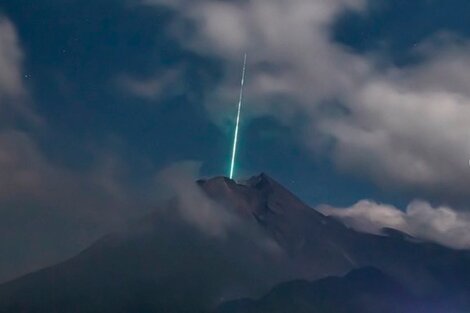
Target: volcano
[268,245]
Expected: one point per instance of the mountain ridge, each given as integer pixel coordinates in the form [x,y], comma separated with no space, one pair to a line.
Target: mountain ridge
[164,264]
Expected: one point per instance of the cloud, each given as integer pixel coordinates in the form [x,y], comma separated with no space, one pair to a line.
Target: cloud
[24,171]
[422,221]
[178,182]
[27,174]
[207,216]
[409,128]
[221,251]
[404,128]
[14,102]
[62,211]
[44,204]
[11,57]
[151,88]
[293,59]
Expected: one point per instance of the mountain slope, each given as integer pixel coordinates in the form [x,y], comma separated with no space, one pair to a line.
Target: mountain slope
[322,246]
[164,263]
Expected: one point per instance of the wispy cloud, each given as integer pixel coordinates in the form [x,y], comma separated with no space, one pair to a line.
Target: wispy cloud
[420,220]
[14,97]
[11,57]
[152,88]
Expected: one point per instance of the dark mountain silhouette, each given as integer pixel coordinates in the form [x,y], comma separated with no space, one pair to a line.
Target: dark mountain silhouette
[163,263]
[365,290]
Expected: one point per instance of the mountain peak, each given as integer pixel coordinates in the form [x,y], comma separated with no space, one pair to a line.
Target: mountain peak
[253,196]
[275,208]
[260,181]
[227,192]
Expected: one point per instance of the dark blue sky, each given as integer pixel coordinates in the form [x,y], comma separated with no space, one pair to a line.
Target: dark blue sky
[75,49]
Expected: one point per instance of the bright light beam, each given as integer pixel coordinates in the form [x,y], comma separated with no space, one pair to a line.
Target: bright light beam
[235,138]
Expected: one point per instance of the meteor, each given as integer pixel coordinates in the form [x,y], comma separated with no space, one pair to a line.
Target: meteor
[235,138]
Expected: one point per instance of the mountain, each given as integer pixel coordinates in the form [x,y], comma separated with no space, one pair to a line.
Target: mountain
[322,246]
[220,240]
[365,290]
[302,232]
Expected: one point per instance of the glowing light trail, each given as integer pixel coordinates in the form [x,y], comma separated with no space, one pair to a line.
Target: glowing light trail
[235,138]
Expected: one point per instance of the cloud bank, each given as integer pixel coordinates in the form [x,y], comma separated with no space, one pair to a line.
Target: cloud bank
[420,220]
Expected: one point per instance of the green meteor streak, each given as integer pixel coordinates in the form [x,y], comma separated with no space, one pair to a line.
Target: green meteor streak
[235,138]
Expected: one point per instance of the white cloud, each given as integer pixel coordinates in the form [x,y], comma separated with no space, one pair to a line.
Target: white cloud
[152,88]
[409,128]
[422,221]
[288,46]
[11,57]
[405,137]
[215,220]
[193,205]
[14,100]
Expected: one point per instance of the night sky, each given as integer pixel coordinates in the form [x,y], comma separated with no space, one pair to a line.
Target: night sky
[345,100]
